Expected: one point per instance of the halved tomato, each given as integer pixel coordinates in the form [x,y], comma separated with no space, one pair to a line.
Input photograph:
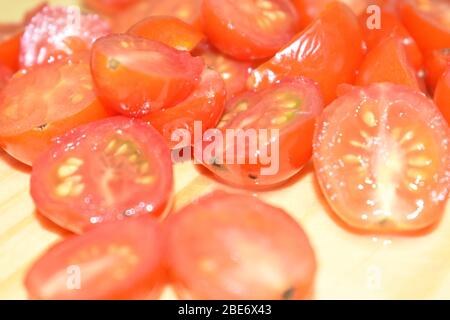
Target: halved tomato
[38,104]
[169,30]
[108,170]
[5,75]
[329,51]
[229,247]
[436,63]
[265,138]
[249,29]
[56,32]
[108,7]
[134,75]
[442,95]
[121,260]
[205,104]
[382,158]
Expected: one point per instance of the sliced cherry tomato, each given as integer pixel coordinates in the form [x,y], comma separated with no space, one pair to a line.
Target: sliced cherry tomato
[442,95]
[107,170]
[121,260]
[109,7]
[291,107]
[428,21]
[382,158]
[328,51]
[134,75]
[169,30]
[235,73]
[52,32]
[205,104]
[231,247]
[436,63]
[388,62]
[5,75]
[249,29]
[38,104]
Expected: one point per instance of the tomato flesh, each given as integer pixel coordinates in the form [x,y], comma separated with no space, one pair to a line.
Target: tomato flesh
[80,181]
[436,64]
[109,6]
[121,260]
[251,250]
[5,75]
[442,95]
[382,159]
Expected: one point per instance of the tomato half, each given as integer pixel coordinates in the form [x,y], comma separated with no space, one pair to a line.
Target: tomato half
[428,22]
[231,247]
[436,63]
[249,29]
[329,51]
[134,75]
[121,260]
[442,95]
[273,135]
[169,30]
[5,75]
[107,170]
[205,104]
[56,32]
[382,159]
[41,103]
[108,6]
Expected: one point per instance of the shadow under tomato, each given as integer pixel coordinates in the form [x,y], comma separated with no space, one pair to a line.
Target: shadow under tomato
[13,163]
[50,226]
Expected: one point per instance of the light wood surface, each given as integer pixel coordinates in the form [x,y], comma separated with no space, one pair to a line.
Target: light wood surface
[351,266]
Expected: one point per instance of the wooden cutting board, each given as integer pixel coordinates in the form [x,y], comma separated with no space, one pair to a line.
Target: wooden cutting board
[351,266]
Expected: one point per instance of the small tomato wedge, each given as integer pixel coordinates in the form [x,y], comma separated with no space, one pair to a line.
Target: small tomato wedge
[442,95]
[279,124]
[382,159]
[249,29]
[120,260]
[436,63]
[134,75]
[232,247]
[43,102]
[329,51]
[205,105]
[108,170]
[169,30]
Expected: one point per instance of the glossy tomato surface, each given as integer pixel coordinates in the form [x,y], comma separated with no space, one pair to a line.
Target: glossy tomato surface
[134,75]
[329,51]
[382,159]
[108,170]
[226,246]
[442,95]
[120,260]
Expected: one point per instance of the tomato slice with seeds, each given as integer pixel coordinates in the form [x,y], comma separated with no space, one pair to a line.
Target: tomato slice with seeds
[80,181]
[291,107]
[169,30]
[52,32]
[329,51]
[249,29]
[134,75]
[381,155]
[205,104]
[442,95]
[436,63]
[41,103]
[256,252]
[121,260]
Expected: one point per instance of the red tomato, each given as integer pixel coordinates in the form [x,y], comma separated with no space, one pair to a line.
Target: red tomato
[234,73]
[5,75]
[249,29]
[442,95]
[109,6]
[328,51]
[231,247]
[205,104]
[169,30]
[436,63]
[428,22]
[382,158]
[107,170]
[291,107]
[39,104]
[121,260]
[134,75]
[388,62]
[52,32]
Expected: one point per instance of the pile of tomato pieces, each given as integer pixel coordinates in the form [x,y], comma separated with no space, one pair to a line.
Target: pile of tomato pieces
[99,101]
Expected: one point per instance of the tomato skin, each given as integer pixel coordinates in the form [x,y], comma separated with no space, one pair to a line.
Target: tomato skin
[205,104]
[436,63]
[109,6]
[442,95]
[329,51]
[245,239]
[121,260]
[5,75]
[130,83]
[10,48]
[168,30]
[227,31]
